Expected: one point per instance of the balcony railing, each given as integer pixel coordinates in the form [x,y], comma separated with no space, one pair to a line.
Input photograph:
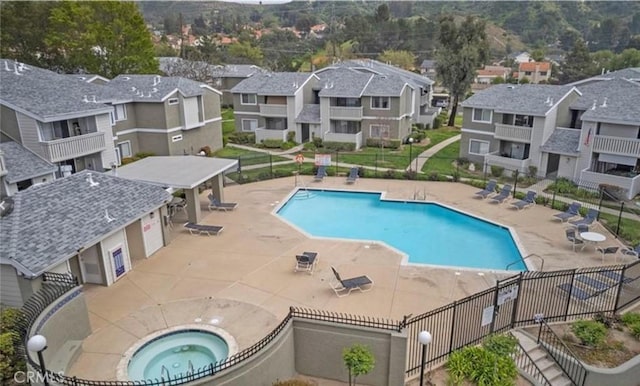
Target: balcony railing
[348,113]
[73,147]
[273,110]
[3,168]
[494,159]
[616,145]
[513,133]
[263,133]
[339,137]
[630,184]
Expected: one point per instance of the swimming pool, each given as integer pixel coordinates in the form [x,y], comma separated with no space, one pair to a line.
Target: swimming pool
[429,233]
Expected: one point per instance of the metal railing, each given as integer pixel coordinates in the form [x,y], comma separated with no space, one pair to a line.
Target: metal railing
[66,278]
[561,354]
[526,364]
[516,262]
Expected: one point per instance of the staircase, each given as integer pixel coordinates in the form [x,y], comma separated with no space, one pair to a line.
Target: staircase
[545,371]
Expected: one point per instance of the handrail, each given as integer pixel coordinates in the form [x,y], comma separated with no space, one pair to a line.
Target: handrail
[524,362]
[562,355]
[190,368]
[525,258]
[162,370]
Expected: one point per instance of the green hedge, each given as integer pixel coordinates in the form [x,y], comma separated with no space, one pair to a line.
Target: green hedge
[272,143]
[242,138]
[339,146]
[386,143]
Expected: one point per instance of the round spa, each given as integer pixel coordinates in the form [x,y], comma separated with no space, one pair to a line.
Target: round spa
[177,353]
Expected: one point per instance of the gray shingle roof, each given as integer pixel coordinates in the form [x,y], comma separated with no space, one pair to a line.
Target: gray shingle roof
[342,82]
[46,94]
[274,83]
[386,85]
[215,71]
[51,222]
[23,164]
[622,102]
[528,99]
[150,88]
[387,69]
[309,114]
[563,141]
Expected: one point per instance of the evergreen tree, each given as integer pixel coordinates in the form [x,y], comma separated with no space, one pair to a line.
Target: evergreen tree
[578,64]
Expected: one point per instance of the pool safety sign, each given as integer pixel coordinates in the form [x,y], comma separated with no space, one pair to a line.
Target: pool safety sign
[507,294]
[323,160]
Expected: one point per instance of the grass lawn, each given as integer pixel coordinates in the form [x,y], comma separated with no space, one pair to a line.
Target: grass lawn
[247,157]
[227,127]
[458,120]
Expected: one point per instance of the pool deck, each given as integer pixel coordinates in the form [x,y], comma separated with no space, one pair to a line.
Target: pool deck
[243,280]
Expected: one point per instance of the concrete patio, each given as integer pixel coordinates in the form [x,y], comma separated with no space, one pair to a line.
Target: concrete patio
[243,280]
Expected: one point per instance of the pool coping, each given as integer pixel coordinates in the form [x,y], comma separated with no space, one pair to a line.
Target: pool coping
[123,364]
[405,257]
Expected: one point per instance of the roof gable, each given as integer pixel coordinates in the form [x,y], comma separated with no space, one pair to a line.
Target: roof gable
[22,164]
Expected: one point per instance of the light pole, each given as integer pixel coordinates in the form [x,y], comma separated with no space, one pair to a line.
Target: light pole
[424,337]
[38,343]
[410,152]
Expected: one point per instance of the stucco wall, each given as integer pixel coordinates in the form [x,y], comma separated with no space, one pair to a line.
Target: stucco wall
[626,374]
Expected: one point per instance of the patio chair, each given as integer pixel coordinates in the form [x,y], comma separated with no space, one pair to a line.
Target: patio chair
[321,173]
[577,292]
[343,287]
[306,262]
[594,283]
[214,203]
[571,212]
[528,200]
[615,276]
[631,251]
[353,176]
[608,251]
[203,229]
[591,216]
[571,236]
[503,195]
[488,190]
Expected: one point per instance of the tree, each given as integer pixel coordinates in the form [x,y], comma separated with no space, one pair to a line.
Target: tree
[102,37]
[402,59]
[22,29]
[538,55]
[578,64]
[359,360]
[627,58]
[245,53]
[463,49]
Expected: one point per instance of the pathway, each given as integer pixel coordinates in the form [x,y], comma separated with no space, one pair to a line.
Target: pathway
[422,158]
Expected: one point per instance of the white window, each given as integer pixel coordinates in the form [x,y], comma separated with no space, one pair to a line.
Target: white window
[176,138]
[119,113]
[174,101]
[249,124]
[478,147]
[380,103]
[248,99]
[125,149]
[482,115]
[379,131]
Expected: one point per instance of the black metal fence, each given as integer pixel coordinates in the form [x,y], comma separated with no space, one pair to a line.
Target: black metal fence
[520,301]
[524,362]
[562,354]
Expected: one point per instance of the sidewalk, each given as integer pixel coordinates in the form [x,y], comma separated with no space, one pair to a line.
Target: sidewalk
[422,158]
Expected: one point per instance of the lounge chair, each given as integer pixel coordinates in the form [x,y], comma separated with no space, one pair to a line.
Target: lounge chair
[353,176]
[615,276]
[214,203]
[343,287]
[306,262]
[528,200]
[503,195]
[321,173]
[203,229]
[591,216]
[571,212]
[608,251]
[577,292]
[488,190]
[632,251]
[594,283]
[571,236]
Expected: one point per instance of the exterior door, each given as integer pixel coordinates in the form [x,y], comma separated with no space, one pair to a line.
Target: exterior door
[305,132]
[90,265]
[152,233]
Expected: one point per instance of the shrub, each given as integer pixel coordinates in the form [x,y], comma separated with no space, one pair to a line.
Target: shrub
[635,330]
[288,145]
[563,186]
[10,360]
[501,345]
[145,154]
[481,366]
[339,146]
[293,382]
[389,174]
[462,161]
[386,143]
[630,318]
[272,143]
[242,138]
[291,137]
[309,146]
[362,172]
[437,122]
[589,332]
[359,360]
[433,176]
[317,141]
[496,171]
[410,174]
[533,172]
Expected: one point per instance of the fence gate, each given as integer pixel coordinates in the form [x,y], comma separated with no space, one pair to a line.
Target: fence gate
[505,304]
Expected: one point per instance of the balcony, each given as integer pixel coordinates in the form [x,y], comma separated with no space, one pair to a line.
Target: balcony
[513,133]
[630,184]
[263,133]
[616,145]
[273,110]
[339,137]
[346,113]
[73,147]
[494,159]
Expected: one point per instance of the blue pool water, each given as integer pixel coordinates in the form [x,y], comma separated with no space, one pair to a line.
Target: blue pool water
[173,352]
[428,233]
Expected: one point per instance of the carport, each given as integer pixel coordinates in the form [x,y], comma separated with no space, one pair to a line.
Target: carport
[181,172]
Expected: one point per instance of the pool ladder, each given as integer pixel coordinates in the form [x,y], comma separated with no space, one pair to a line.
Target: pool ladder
[164,369]
[525,258]
[190,368]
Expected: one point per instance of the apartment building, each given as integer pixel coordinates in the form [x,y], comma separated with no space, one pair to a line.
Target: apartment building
[588,131]
[535,72]
[347,102]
